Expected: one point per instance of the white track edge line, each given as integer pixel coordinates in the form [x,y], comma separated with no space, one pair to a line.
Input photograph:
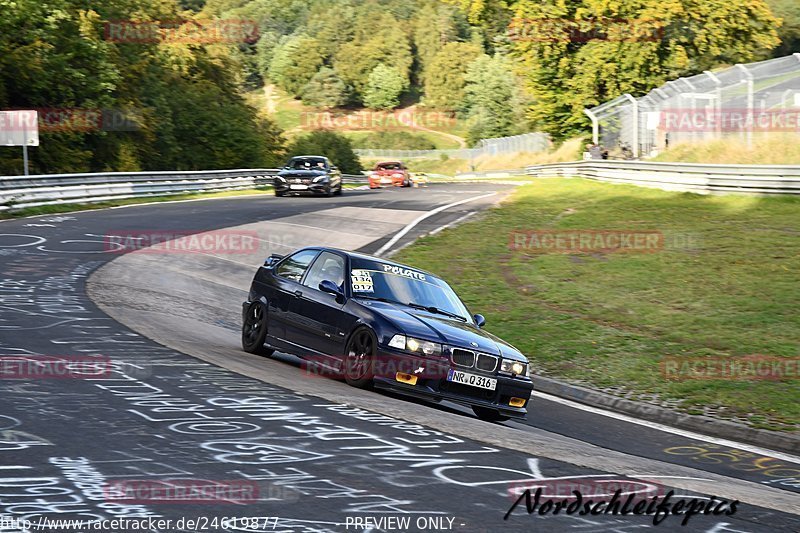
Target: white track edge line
[669,429]
[402,233]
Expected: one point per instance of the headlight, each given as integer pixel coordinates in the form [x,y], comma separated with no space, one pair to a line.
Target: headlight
[320,178]
[281,178]
[401,342]
[397,175]
[514,367]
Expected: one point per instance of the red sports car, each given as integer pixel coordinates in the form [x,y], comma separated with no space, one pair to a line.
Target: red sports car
[393,173]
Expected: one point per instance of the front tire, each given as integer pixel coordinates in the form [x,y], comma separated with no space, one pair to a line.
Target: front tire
[278,193]
[489,415]
[254,330]
[359,362]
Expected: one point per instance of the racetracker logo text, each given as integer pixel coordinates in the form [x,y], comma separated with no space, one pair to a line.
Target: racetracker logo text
[565,30]
[317,366]
[73,120]
[182,31]
[585,241]
[730,120]
[751,367]
[54,367]
[401,119]
[181,491]
[182,242]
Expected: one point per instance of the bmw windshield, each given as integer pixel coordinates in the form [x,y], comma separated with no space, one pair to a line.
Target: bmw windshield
[396,284]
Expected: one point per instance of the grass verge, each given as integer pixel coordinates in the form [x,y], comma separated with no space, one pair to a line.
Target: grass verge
[772,149]
[725,285]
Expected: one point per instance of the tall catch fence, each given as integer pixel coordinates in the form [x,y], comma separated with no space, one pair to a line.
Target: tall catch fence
[528,142]
[742,101]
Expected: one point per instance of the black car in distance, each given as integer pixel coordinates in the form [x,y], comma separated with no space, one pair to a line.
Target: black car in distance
[377,322]
[308,174]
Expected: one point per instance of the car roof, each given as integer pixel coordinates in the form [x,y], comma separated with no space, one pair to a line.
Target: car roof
[388,163]
[358,255]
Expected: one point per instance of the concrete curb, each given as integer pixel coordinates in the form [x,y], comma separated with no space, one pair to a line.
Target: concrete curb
[701,424]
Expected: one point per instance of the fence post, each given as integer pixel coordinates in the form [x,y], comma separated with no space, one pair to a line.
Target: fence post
[595,126]
[635,132]
[750,103]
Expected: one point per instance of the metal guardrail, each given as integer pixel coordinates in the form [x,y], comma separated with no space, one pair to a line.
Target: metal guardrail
[30,191]
[687,177]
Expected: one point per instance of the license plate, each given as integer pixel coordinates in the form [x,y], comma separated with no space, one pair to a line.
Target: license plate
[298,187]
[465,378]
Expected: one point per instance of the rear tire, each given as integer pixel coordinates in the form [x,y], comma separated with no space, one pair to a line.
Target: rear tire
[338,191]
[359,358]
[489,415]
[254,330]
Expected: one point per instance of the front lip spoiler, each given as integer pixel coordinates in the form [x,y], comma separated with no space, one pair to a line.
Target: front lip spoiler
[394,386]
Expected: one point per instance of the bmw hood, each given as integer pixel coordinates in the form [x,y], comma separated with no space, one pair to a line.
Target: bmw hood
[443,329]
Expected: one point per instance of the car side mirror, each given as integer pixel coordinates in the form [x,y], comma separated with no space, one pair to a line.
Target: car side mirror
[479,320]
[330,287]
[333,167]
[271,260]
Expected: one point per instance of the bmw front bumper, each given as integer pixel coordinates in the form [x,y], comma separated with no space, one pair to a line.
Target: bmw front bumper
[431,383]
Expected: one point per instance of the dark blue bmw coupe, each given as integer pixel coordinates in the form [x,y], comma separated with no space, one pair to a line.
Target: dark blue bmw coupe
[376,322]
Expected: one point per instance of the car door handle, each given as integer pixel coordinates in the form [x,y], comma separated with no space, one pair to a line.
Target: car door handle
[298,294]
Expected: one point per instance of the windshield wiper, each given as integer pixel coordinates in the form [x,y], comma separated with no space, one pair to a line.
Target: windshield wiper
[432,309]
[378,298]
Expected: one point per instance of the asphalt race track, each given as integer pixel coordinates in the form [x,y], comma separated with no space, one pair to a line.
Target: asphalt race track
[181,402]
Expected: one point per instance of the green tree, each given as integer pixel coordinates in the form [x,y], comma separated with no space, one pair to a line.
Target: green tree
[789,32]
[326,90]
[334,146]
[294,62]
[444,81]
[378,38]
[434,25]
[490,95]
[662,41]
[189,113]
[331,31]
[384,87]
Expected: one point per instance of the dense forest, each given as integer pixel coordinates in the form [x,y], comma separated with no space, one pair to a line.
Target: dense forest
[499,65]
